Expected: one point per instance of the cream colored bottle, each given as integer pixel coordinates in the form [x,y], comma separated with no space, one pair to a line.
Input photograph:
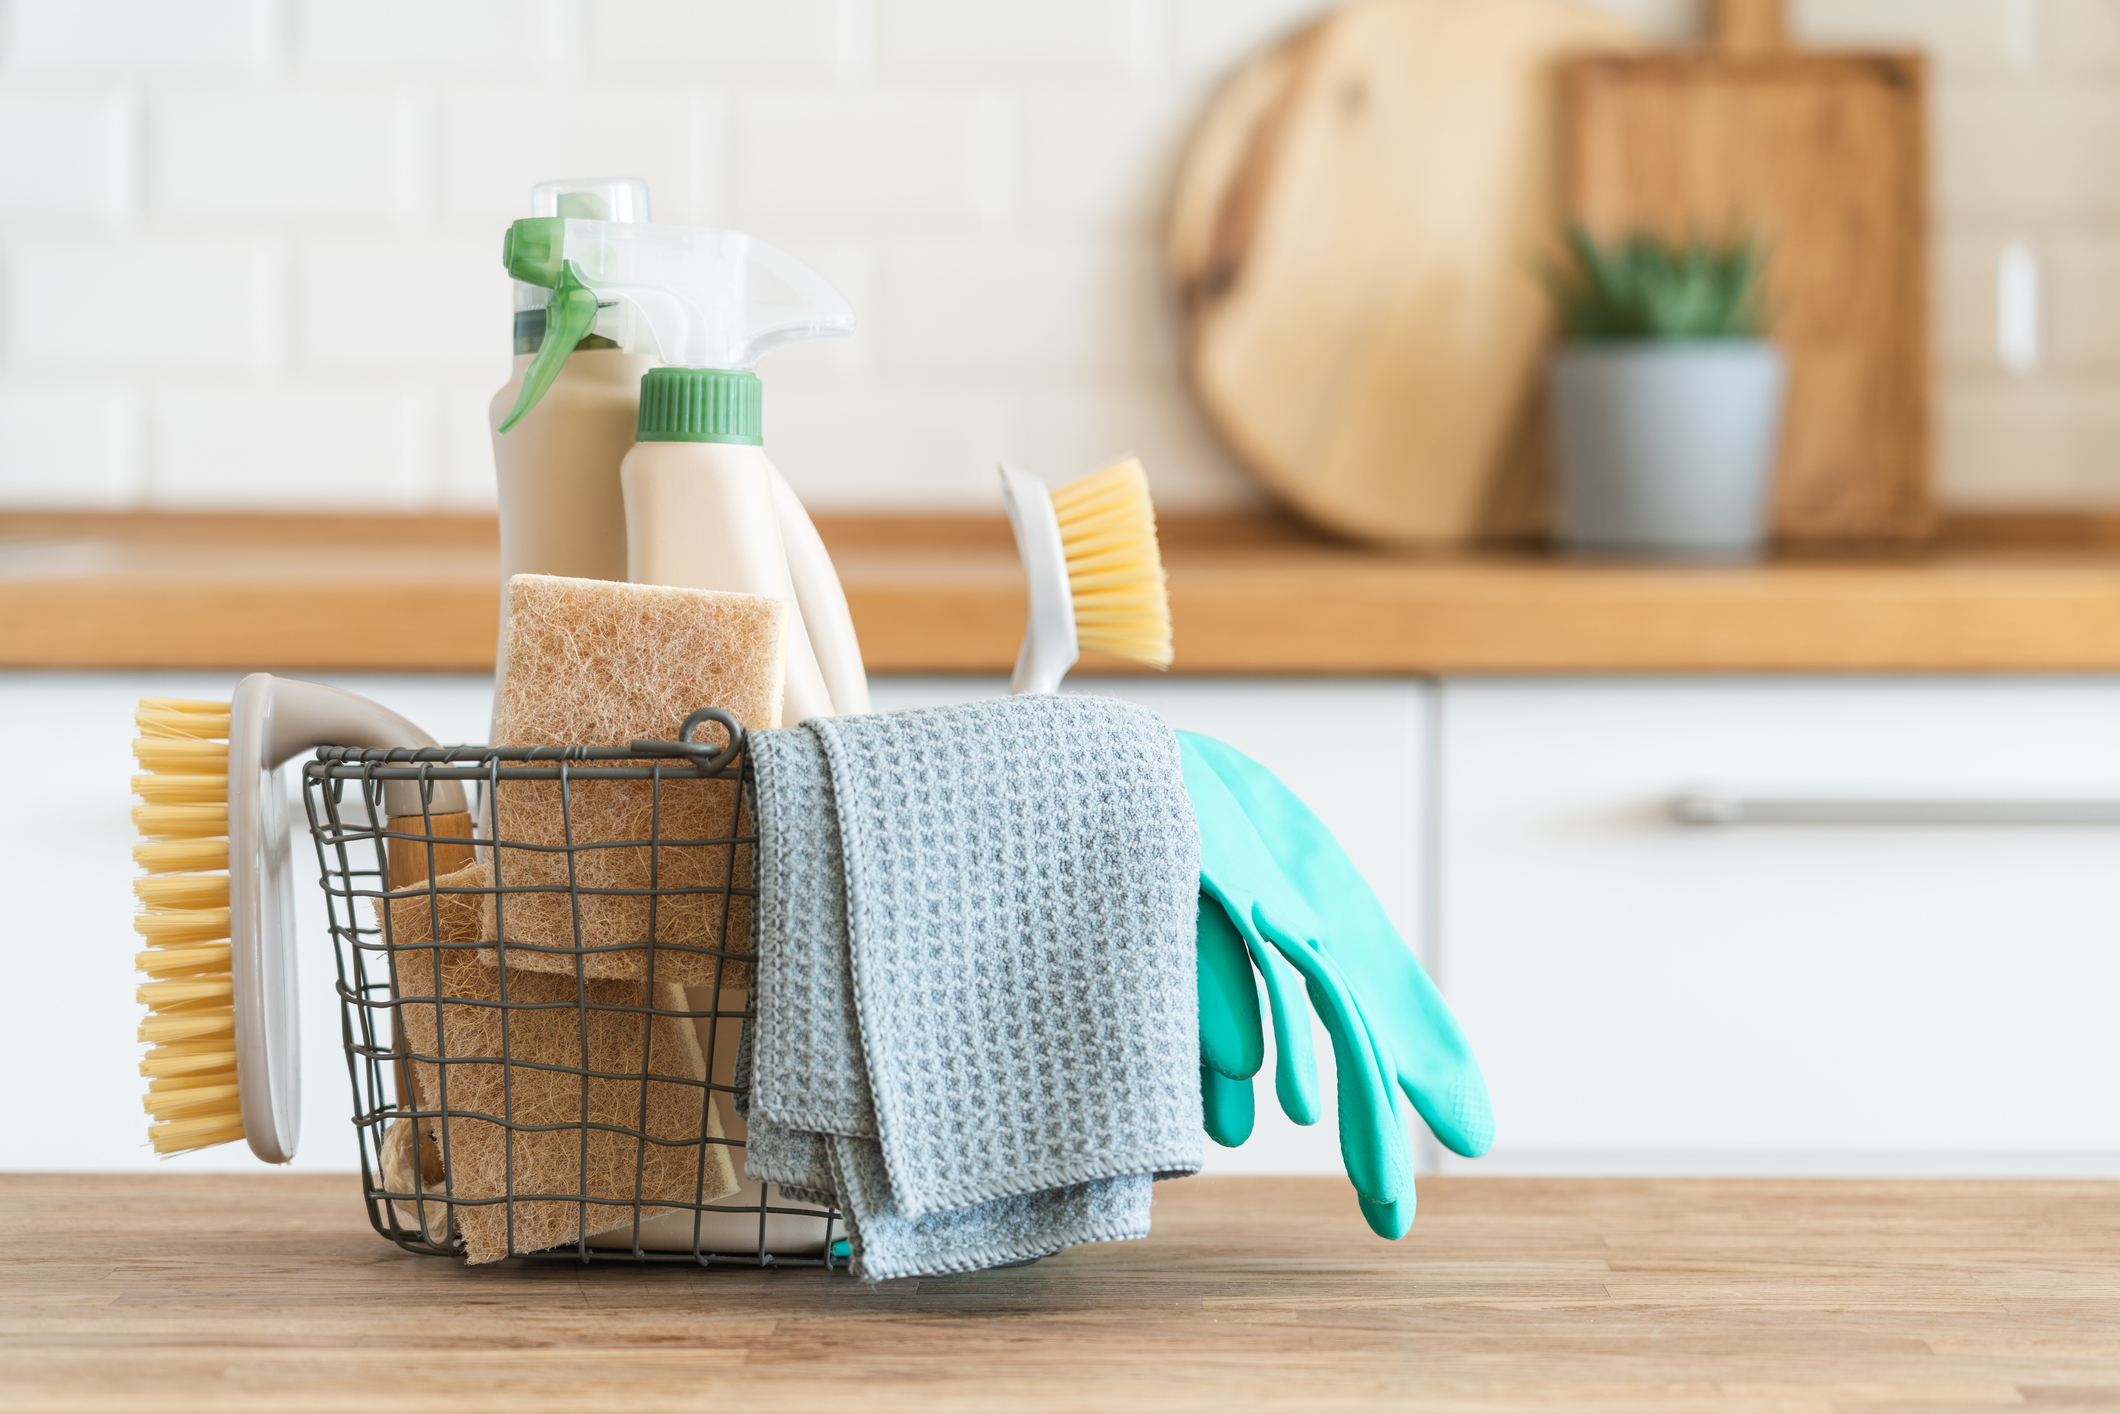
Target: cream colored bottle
[705,508]
[702,515]
[561,509]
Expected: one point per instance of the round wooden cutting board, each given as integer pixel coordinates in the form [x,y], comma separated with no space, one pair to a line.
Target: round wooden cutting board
[1358,230]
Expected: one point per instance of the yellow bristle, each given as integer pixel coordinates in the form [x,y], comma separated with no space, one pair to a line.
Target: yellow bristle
[162,1027]
[167,996]
[186,970]
[220,1101]
[192,1093]
[209,973]
[183,822]
[202,1056]
[188,789]
[191,1099]
[173,1090]
[191,1081]
[181,1134]
[181,855]
[182,890]
[1114,567]
[190,1008]
[190,1048]
[201,1067]
[179,1099]
[207,720]
[181,753]
[178,961]
[169,927]
[181,704]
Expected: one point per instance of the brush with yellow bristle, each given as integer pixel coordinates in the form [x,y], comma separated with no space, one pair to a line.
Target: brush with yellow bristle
[217,905]
[1095,572]
[192,1096]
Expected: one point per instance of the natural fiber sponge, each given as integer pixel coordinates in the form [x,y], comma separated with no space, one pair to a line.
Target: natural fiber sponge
[597,663]
[452,1025]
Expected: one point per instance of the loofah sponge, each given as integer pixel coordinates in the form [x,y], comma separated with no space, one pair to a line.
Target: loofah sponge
[546,1027]
[597,663]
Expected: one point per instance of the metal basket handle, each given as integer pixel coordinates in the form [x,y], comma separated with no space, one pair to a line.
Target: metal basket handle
[707,758]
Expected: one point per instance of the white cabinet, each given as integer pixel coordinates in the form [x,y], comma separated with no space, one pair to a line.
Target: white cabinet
[1644,996]
[1648,996]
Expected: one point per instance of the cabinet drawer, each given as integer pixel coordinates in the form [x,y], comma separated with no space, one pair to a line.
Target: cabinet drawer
[1874,995]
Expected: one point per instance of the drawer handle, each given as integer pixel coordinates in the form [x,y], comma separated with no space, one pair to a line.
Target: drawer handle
[1723,807]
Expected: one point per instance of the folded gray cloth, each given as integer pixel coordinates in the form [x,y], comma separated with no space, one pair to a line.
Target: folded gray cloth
[977,1028]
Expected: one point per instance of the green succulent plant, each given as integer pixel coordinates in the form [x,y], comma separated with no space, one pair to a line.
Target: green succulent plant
[1645,286]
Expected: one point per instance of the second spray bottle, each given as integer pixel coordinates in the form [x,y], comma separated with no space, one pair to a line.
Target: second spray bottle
[612,467]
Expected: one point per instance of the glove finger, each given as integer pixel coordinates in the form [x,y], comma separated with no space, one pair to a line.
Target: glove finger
[1374,1146]
[1231,1039]
[1373,1142]
[1295,1066]
[1455,1107]
[1389,1221]
[1225,1107]
[1295,1060]
[1432,1060]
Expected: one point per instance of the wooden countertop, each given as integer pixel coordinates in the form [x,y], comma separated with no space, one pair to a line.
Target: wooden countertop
[1249,595]
[268,1292]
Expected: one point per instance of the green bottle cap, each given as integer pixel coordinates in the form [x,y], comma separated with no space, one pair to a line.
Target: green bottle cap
[702,405]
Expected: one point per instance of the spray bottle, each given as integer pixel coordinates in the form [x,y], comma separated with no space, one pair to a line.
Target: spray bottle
[704,507]
[561,510]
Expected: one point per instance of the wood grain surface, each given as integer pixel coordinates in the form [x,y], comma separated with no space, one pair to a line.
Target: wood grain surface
[2033,593]
[268,1292]
[1357,230]
[1822,155]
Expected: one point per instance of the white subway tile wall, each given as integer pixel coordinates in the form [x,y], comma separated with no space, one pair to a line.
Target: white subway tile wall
[216,39]
[248,248]
[66,154]
[2025,131]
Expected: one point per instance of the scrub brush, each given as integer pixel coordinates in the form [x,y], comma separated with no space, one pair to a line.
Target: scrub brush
[191,1070]
[218,905]
[1096,575]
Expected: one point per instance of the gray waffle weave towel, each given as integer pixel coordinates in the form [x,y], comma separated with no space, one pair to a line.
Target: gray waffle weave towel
[977,1027]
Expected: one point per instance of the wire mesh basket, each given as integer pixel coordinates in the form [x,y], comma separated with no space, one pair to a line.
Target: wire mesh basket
[543,1024]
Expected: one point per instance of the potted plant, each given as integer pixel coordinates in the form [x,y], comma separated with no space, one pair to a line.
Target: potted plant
[1666,399]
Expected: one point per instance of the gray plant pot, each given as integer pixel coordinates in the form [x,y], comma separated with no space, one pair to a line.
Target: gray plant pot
[1665,448]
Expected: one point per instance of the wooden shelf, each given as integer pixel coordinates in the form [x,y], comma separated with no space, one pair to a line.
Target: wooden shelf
[1249,595]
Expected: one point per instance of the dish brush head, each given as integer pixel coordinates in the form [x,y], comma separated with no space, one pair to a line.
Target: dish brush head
[192,1100]
[1114,566]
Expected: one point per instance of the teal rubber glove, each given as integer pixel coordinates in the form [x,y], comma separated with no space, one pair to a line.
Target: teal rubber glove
[1230,1038]
[1231,1043]
[1232,1046]
[1225,1107]
[1433,1062]
[1281,935]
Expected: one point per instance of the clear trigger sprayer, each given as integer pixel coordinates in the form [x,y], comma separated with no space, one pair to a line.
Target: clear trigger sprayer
[705,508]
[711,298]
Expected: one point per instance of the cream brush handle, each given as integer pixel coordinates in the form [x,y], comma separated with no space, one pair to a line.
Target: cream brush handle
[271,721]
[1050,647]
